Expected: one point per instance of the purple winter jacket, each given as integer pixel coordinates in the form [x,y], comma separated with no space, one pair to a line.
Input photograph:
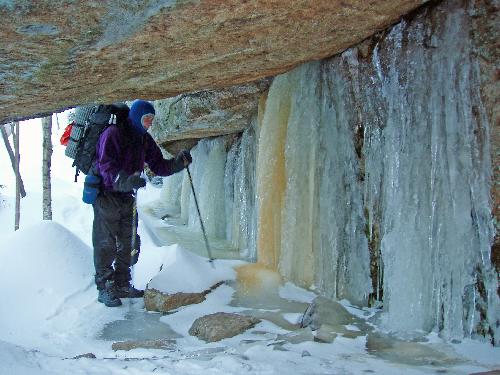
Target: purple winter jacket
[123,150]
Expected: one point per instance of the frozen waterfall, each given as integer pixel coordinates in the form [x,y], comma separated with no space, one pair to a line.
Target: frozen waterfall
[367,177]
[222,174]
[380,168]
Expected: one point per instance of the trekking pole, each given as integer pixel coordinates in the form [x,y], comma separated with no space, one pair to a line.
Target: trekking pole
[210,259]
[133,250]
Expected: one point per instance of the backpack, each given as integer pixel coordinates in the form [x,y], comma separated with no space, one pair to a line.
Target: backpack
[90,122]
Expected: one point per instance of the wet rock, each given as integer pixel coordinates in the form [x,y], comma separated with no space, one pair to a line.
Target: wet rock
[323,311]
[329,319]
[407,352]
[143,344]
[280,347]
[297,336]
[86,355]
[218,326]
[325,334]
[486,33]
[154,300]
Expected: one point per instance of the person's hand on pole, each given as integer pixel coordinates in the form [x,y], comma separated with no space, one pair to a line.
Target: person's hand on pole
[182,160]
[124,183]
[186,157]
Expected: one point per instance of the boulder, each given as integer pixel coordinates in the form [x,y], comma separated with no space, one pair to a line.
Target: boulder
[323,311]
[329,319]
[218,326]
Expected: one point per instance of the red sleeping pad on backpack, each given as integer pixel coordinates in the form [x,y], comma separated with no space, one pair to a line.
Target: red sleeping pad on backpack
[67,132]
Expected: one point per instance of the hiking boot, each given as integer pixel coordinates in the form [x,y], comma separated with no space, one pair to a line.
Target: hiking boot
[108,297]
[127,291]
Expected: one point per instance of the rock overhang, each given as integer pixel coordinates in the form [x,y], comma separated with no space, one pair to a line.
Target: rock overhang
[57,55]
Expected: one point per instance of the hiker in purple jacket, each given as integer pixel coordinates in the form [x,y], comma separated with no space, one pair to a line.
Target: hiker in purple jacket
[121,153]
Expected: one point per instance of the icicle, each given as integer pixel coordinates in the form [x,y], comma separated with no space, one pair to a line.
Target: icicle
[208,179]
[170,194]
[271,179]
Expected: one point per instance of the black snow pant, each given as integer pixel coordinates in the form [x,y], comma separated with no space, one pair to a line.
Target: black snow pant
[112,231]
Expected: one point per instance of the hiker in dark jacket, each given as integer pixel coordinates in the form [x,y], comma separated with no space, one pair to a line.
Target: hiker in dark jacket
[121,153]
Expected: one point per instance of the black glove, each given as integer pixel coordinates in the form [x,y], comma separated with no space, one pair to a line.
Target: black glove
[182,160]
[136,182]
[124,183]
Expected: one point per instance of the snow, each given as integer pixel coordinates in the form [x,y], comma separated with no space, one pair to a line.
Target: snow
[47,288]
[177,264]
[293,318]
[49,312]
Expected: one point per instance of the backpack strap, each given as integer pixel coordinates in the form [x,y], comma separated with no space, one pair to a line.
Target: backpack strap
[77,173]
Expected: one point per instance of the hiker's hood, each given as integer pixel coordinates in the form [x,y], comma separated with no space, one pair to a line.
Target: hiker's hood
[138,109]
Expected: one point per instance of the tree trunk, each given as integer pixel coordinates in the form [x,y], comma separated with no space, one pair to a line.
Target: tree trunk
[5,137]
[57,121]
[18,179]
[46,164]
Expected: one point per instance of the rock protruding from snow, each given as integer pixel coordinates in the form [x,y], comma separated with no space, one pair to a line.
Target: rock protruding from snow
[218,326]
[154,300]
[185,279]
[185,272]
[323,311]
[143,344]
[86,355]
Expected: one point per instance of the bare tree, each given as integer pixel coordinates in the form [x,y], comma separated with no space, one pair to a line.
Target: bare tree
[46,164]
[57,121]
[5,137]
[18,188]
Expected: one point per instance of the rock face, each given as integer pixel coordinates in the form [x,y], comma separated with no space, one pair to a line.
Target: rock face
[206,113]
[60,55]
[486,33]
[218,326]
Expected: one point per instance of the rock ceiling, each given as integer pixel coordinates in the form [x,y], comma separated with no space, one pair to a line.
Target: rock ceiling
[59,54]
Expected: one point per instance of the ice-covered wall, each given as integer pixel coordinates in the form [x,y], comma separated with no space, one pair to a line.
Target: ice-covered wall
[367,178]
[378,165]
[239,185]
[223,177]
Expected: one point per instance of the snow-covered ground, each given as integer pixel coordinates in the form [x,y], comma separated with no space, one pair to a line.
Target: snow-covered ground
[49,314]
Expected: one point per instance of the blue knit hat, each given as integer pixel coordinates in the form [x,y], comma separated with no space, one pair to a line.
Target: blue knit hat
[138,109]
